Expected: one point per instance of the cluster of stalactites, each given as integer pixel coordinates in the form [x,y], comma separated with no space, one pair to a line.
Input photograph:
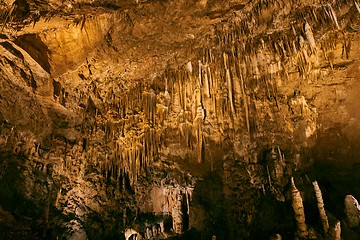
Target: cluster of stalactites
[218,88]
[293,45]
[132,155]
[131,133]
[225,81]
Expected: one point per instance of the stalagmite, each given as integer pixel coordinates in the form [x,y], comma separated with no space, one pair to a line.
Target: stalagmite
[131,232]
[352,211]
[47,209]
[148,233]
[276,237]
[154,230]
[335,232]
[320,203]
[298,207]
[188,196]
[162,227]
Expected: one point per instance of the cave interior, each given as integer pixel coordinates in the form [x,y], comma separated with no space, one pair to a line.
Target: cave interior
[187,119]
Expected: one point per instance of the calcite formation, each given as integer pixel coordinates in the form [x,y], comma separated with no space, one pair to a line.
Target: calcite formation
[298,207]
[352,211]
[336,231]
[320,203]
[160,118]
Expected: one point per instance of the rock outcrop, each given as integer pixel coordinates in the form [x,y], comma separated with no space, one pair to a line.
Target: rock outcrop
[352,211]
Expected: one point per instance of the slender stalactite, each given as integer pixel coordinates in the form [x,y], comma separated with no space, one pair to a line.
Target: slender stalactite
[310,37]
[197,124]
[229,83]
[207,82]
[200,74]
[246,104]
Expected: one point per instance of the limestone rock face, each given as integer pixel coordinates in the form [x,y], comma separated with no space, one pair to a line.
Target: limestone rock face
[352,211]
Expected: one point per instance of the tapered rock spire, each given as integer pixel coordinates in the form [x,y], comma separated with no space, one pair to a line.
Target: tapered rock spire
[320,203]
[298,207]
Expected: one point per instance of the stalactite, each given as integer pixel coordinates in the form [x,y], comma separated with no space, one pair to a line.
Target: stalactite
[298,207]
[154,143]
[229,84]
[287,45]
[267,87]
[320,203]
[106,166]
[150,106]
[188,194]
[207,82]
[246,104]
[282,47]
[274,92]
[346,47]
[189,67]
[333,16]
[200,73]
[310,37]
[199,140]
[269,178]
[315,15]
[198,117]
[123,180]
[184,95]
[180,93]
[211,83]
[357,6]
[294,47]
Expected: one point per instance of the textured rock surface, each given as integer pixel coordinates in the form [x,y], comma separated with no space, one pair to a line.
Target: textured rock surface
[186,116]
[352,211]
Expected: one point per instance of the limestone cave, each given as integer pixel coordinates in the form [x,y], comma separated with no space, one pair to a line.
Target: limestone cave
[179,119]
